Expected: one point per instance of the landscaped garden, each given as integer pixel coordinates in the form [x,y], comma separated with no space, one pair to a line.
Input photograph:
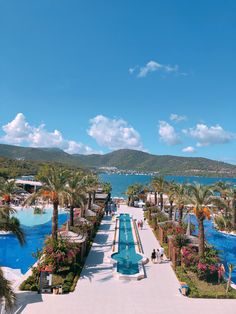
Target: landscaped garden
[65,250]
[196,263]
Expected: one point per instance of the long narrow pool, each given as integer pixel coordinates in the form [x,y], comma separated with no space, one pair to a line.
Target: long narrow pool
[127,258]
[36,228]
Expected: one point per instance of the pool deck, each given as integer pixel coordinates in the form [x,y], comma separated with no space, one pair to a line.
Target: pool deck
[98,291]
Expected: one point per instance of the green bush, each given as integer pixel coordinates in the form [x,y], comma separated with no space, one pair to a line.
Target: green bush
[34,288]
[181,240]
[70,277]
[66,287]
[27,287]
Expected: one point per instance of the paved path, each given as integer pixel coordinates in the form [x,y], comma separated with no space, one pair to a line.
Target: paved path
[99,292]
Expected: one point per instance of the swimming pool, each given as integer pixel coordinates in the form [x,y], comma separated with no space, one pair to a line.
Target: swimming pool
[127,258]
[36,227]
[226,244]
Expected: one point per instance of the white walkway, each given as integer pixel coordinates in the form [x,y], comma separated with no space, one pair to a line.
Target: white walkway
[98,292]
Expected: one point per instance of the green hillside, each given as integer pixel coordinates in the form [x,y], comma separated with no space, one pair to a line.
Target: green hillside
[125,159]
[38,154]
[165,164]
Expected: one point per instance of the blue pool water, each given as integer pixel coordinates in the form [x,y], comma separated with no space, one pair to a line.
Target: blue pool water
[127,258]
[36,228]
[226,244]
[28,218]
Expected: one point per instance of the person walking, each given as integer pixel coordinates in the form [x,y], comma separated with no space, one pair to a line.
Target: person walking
[158,256]
[161,252]
[153,256]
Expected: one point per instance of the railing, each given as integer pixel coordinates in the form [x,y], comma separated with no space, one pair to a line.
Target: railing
[140,247]
[114,240]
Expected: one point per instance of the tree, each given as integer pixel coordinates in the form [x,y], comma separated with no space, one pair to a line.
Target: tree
[159,185]
[231,268]
[201,196]
[179,194]
[7,296]
[106,187]
[171,196]
[76,193]
[224,190]
[133,193]
[232,204]
[54,190]
[90,183]
[7,190]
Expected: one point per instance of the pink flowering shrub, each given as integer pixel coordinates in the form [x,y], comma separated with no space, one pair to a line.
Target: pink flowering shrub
[206,268]
[58,255]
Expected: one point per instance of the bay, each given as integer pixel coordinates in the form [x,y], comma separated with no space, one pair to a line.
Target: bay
[120,182]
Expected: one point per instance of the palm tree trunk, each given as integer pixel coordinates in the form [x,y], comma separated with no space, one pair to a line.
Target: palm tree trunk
[89,200]
[55,220]
[72,216]
[94,196]
[180,214]
[155,198]
[171,210]
[234,214]
[129,201]
[161,201]
[201,237]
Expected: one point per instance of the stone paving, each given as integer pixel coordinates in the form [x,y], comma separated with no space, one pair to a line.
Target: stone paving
[98,291]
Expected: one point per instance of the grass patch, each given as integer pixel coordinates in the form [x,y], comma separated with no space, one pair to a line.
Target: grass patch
[203,289]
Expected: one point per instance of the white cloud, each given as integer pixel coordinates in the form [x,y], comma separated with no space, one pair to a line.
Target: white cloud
[209,135]
[19,131]
[177,118]
[114,133]
[189,149]
[79,148]
[153,66]
[167,134]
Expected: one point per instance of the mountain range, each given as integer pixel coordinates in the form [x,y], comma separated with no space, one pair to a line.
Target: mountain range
[125,159]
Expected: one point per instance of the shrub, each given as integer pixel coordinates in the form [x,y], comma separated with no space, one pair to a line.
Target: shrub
[66,287]
[34,288]
[220,222]
[190,258]
[180,240]
[70,277]
[59,255]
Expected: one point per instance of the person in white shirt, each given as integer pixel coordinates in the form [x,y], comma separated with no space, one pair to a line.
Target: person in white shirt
[161,252]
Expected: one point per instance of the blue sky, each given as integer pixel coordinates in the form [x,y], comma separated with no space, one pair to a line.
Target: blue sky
[95,76]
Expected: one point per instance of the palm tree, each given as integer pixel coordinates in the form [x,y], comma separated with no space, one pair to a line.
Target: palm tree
[7,190]
[159,185]
[54,190]
[133,193]
[90,183]
[231,268]
[106,187]
[7,295]
[232,197]
[11,224]
[201,196]
[76,193]
[224,190]
[179,194]
[171,196]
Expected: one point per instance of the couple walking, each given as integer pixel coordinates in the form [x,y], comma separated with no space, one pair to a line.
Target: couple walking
[157,256]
